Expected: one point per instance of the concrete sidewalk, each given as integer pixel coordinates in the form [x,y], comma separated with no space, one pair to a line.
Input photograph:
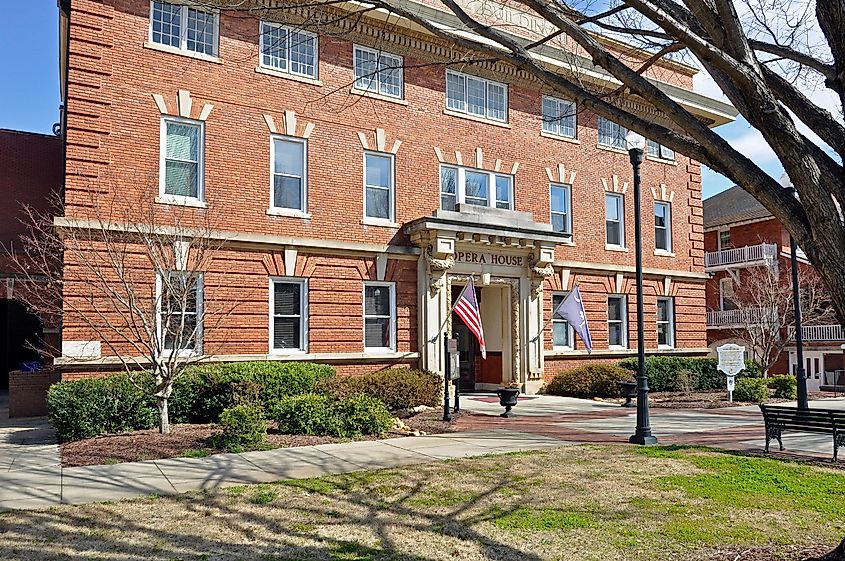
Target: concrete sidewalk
[50,485]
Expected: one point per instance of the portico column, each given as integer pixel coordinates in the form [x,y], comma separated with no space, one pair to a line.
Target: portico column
[540,266]
[438,258]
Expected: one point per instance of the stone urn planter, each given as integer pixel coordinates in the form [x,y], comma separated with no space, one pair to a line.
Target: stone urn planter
[507,398]
[628,390]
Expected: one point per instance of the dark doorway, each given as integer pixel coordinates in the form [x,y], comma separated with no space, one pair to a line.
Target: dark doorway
[21,333]
[467,345]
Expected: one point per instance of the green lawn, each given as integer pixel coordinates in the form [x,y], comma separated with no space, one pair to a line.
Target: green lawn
[580,502]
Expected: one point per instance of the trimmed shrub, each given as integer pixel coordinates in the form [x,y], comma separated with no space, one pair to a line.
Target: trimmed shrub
[753,390]
[93,406]
[398,388]
[322,415]
[204,391]
[687,380]
[244,428]
[785,386]
[662,372]
[589,380]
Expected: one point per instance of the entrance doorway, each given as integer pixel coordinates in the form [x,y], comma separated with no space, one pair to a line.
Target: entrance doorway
[21,334]
[813,368]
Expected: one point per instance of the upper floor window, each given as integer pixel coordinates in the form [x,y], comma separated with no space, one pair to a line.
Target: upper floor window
[378,186]
[662,226]
[656,150]
[288,50]
[288,317]
[476,96]
[559,117]
[379,316]
[474,187]
[184,27]
[378,72]
[617,320]
[665,323]
[288,157]
[181,159]
[560,205]
[726,294]
[614,217]
[562,336]
[724,239]
[611,134]
[180,311]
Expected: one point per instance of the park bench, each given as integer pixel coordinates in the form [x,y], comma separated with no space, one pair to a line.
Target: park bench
[827,421]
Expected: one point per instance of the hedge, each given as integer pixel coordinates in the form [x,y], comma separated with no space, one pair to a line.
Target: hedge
[662,372]
[785,386]
[589,380]
[754,390]
[398,388]
[244,428]
[322,415]
[93,406]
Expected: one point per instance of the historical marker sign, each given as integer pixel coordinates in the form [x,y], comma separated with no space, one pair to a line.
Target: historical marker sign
[731,362]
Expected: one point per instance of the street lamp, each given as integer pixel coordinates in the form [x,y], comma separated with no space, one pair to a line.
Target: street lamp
[642,434]
[800,373]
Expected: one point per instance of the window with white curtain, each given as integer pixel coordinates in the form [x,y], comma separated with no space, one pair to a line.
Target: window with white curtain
[288,316]
[379,317]
[182,150]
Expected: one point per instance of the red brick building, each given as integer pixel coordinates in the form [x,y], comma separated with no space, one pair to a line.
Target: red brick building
[359,176]
[741,235]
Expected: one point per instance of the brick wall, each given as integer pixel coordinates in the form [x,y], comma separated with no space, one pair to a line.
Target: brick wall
[28,392]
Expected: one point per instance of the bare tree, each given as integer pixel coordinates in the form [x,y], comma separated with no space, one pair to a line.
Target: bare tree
[128,279]
[761,53]
[765,310]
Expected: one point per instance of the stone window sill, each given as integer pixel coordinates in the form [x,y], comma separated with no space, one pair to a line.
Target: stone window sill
[545,134]
[662,160]
[289,212]
[180,201]
[180,52]
[616,248]
[612,149]
[469,117]
[381,97]
[379,222]
[288,76]
[662,253]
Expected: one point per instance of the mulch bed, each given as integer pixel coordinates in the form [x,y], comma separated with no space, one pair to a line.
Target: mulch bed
[194,440]
[706,399]
[771,553]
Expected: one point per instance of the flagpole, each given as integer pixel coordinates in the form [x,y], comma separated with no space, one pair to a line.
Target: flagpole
[451,309]
[551,317]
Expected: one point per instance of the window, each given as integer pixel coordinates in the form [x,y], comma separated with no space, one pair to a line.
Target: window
[560,203]
[725,240]
[378,72]
[656,150]
[379,317]
[288,50]
[562,336]
[665,323]
[378,186]
[183,27]
[611,134]
[559,117]
[662,227]
[726,294]
[180,307]
[614,217]
[289,170]
[473,187]
[476,96]
[288,315]
[181,159]
[617,336]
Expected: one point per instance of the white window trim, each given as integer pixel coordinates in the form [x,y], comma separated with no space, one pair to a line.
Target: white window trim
[460,185]
[568,223]
[624,322]
[272,209]
[659,157]
[183,30]
[621,198]
[604,144]
[389,221]
[375,78]
[722,291]
[558,101]
[287,70]
[392,287]
[303,316]
[187,353]
[465,111]
[558,319]
[669,240]
[670,322]
[163,196]
[719,246]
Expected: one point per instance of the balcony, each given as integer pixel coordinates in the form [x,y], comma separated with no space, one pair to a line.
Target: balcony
[721,319]
[741,256]
[822,332]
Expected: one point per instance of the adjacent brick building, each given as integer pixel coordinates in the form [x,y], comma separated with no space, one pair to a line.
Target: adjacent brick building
[741,235]
[356,195]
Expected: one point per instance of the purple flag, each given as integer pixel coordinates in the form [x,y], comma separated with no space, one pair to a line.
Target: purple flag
[572,310]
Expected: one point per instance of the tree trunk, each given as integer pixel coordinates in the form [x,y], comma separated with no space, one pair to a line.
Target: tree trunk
[837,554]
[163,417]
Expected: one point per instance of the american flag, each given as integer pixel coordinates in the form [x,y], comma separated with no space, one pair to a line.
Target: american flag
[467,309]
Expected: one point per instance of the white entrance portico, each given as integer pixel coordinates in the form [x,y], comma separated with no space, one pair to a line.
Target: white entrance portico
[508,255]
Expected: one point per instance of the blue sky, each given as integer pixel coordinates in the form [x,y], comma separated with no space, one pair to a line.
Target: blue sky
[29,91]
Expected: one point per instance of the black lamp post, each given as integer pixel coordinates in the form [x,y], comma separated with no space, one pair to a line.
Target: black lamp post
[800,372]
[642,434]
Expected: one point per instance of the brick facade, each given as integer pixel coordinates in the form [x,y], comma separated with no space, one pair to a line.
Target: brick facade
[113,143]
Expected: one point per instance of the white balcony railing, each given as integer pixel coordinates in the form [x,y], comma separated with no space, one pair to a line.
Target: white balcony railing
[822,332]
[748,316]
[740,255]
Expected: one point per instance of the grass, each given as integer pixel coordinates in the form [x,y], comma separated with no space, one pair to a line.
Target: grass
[575,503]
[195,453]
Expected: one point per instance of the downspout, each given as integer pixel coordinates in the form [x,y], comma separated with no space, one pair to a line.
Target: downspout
[64,62]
